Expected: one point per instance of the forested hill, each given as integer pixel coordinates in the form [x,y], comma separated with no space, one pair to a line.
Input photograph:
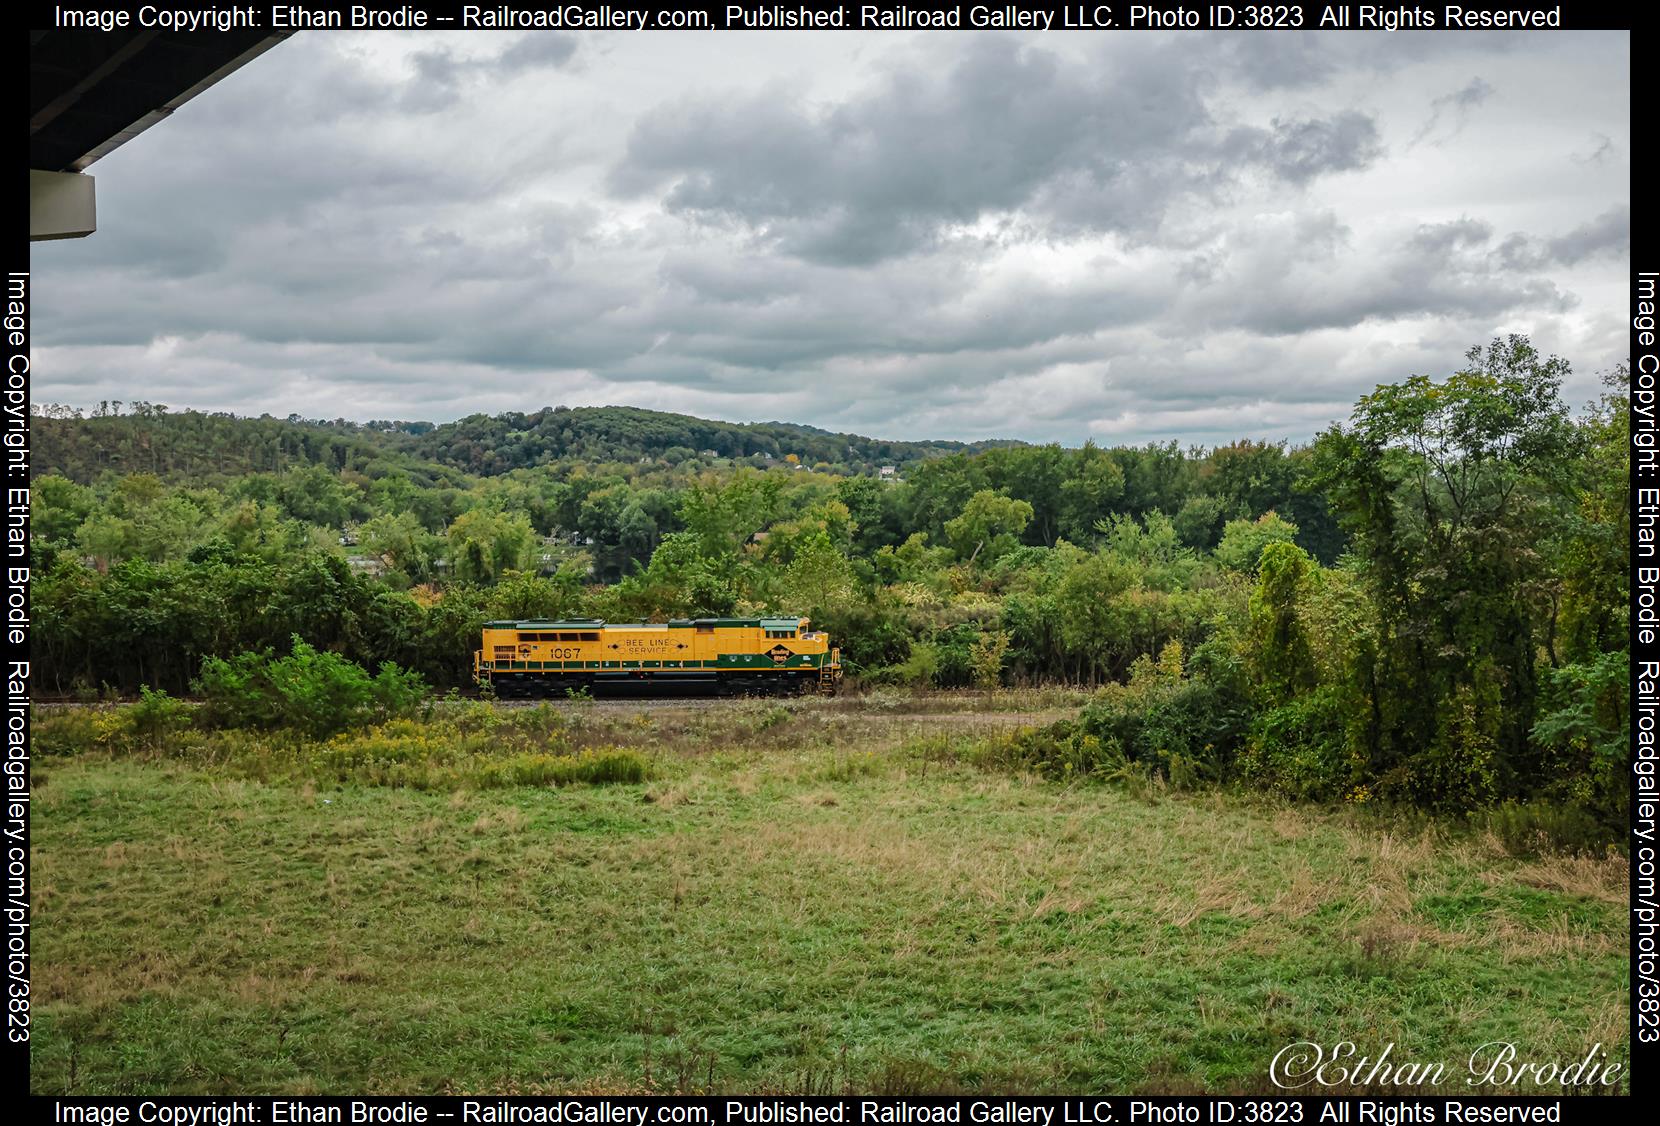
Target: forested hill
[190,444]
[492,444]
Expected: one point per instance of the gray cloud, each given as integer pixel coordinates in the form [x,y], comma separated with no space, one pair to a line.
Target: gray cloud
[1604,236]
[1296,275]
[1602,150]
[1299,151]
[1608,236]
[1004,128]
[538,50]
[1450,112]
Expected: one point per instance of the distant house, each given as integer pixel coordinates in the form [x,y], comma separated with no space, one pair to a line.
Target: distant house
[889,472]
[366,565]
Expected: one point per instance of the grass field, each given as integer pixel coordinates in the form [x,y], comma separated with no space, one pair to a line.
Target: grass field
[817,897]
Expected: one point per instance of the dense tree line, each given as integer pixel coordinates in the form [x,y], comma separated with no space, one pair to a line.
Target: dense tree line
[142,437]
[193,446]
[1425,604]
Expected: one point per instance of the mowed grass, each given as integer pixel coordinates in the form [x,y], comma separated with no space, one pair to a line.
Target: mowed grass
[797,899]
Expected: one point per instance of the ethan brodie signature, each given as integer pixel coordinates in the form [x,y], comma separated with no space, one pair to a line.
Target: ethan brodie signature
[1493,1064]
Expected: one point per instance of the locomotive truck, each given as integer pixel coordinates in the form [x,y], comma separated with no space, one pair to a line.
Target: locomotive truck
[753,655]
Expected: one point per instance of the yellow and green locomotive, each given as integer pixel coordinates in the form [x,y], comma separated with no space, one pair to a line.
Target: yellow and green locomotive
[770,655]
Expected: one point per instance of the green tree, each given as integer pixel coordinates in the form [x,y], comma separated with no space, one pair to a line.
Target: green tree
[1281,659]
[680,582]
[483,545]
[987,658]
[989,520]
[1200,521]
[1444,487]
[401,543]
[1036,475]
[317,496]
[1093,486]
[819,580]
[1245,541]
[59,507]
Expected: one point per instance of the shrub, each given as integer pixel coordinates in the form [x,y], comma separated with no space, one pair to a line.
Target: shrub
[147,725]
[1280,655]
[1585,728]
[987,658]
[771,716]
[396,691]
[1160,720]
[935,747]
[953,656]
[1543,827]
[918,669]
[318,693]
[155,717]
[1301,749]
[1459,770]
[237,691]
[59,732]
[309,691]
[1061,751]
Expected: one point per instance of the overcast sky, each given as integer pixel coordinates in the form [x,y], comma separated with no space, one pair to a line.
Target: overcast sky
[1125,237]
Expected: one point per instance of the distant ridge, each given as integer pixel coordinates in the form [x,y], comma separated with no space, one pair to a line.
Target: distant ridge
[195,444]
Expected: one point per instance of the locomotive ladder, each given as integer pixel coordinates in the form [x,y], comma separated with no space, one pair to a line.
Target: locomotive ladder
[827,674]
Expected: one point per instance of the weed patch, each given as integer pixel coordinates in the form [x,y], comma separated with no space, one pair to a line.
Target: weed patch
[475,747]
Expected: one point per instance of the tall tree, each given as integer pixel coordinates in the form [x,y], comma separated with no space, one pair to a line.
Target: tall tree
[1443,486]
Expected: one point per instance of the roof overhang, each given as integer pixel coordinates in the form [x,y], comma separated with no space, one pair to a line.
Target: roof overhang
[91,92]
